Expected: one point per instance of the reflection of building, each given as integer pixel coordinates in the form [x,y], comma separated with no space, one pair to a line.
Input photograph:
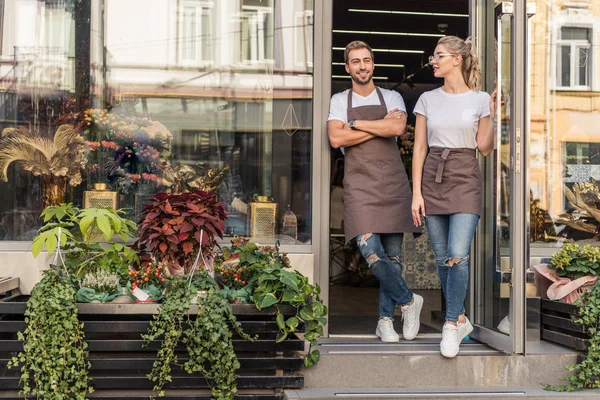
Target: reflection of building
[565,107]
[218,75]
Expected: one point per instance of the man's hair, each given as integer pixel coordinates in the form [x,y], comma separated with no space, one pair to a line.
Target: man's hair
[357,44]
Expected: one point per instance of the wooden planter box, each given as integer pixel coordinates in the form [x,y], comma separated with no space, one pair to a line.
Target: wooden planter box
[119,362]
[558,325]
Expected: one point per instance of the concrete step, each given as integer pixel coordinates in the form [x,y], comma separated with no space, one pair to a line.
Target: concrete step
[496,393]
[368,363]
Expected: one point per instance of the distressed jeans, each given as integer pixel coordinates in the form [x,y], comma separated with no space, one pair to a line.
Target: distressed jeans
[451,236]
[383,252]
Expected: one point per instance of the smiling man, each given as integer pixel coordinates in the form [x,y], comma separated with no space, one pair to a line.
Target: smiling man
[365,121]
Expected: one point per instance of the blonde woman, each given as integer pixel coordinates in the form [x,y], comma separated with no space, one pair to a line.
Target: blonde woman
[453,122]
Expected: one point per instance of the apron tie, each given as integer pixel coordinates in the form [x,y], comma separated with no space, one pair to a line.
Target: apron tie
[441,165]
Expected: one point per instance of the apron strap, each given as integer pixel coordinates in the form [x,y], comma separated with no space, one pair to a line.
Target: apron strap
[441,165]
[379,94]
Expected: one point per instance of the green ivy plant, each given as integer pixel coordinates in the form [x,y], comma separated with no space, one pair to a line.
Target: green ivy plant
[53,361]
[80,233]
[586,374]
[274,284]
[207,338]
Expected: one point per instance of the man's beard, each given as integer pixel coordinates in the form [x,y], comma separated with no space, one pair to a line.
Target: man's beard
[356,79]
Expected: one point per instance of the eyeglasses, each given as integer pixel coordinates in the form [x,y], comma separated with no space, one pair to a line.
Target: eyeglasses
[438,56]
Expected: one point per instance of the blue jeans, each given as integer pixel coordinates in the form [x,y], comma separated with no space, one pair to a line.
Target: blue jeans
[383,252]
[451,236]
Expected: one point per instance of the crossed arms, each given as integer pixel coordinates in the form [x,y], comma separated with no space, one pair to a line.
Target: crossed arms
[340,135]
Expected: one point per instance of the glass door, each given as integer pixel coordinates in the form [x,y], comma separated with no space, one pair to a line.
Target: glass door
[499,275]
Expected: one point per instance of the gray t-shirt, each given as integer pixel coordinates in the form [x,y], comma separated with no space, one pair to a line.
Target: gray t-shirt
[453,119]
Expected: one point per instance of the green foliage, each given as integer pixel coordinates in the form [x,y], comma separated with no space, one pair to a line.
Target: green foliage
[574,262]
[586,374]
[80,231]
[274,284]
[207,338]
[53,361]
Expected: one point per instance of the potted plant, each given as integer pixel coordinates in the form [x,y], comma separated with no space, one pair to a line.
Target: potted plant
[99,286]
[176,227]
[572,271]
[207,338]
[147,282]
[59,161]
[274,283]
[53,360]
[87,238]
[585,374]
[233,276]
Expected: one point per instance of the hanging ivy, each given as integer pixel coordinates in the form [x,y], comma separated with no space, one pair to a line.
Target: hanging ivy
[53,361]
[586,374]
[208,338]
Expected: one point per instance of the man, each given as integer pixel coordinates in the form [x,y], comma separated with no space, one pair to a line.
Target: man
[365,121]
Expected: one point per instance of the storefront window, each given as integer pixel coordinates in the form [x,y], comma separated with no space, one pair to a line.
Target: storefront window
[564,124]
[119,99]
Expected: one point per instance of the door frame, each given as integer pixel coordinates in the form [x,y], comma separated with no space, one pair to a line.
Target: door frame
[519,211]
[518,255]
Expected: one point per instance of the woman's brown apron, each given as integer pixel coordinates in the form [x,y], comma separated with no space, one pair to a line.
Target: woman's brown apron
[377,195]
[451,181]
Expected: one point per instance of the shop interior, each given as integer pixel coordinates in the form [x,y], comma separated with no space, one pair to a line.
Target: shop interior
[402,35]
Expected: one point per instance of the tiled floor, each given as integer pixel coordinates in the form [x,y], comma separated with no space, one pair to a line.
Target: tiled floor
[353,310]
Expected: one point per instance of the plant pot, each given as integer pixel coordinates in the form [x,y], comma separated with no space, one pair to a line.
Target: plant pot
[144,301]
[199,294]
[123,298]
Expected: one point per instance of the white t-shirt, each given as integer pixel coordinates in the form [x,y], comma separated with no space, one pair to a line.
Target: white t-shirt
[338,108]
[453,119]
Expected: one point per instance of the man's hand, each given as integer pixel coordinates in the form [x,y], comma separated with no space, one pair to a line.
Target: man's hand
[395,113]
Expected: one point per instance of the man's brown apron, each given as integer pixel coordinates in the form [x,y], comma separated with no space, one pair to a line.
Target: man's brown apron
[377,195]
[451,181]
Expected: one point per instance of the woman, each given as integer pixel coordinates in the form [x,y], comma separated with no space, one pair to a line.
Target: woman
[453,122]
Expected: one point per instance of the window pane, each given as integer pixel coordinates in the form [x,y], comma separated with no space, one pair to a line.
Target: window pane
[564,140]
[565,63]
[145,116]
[570,33]
[583,66]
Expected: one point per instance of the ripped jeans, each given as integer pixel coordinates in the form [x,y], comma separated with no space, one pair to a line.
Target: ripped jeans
[383,252]
[451,236]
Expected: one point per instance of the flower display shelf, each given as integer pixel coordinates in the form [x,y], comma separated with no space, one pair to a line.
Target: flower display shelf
[119,363]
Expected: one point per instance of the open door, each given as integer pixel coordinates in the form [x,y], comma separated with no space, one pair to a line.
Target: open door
[498,284]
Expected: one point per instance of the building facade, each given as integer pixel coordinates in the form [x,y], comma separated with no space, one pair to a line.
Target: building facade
[163,84]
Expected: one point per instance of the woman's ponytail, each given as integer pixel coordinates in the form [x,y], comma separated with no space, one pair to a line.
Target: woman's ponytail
[471,70]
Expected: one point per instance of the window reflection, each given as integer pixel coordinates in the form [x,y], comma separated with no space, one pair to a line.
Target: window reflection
[205,84]
[564,135]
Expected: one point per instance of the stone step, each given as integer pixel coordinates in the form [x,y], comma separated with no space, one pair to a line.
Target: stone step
[496,393]
[367,363]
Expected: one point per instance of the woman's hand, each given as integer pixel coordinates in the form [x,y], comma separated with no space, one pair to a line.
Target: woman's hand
[493,105]
[418,209]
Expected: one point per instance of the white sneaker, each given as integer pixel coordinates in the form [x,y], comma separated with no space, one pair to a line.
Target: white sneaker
[385,330]
[504,326]
[464,330]
[452,336]
[449,345]
[411,313]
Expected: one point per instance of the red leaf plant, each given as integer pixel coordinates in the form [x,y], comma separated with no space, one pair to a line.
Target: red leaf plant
[173,225]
